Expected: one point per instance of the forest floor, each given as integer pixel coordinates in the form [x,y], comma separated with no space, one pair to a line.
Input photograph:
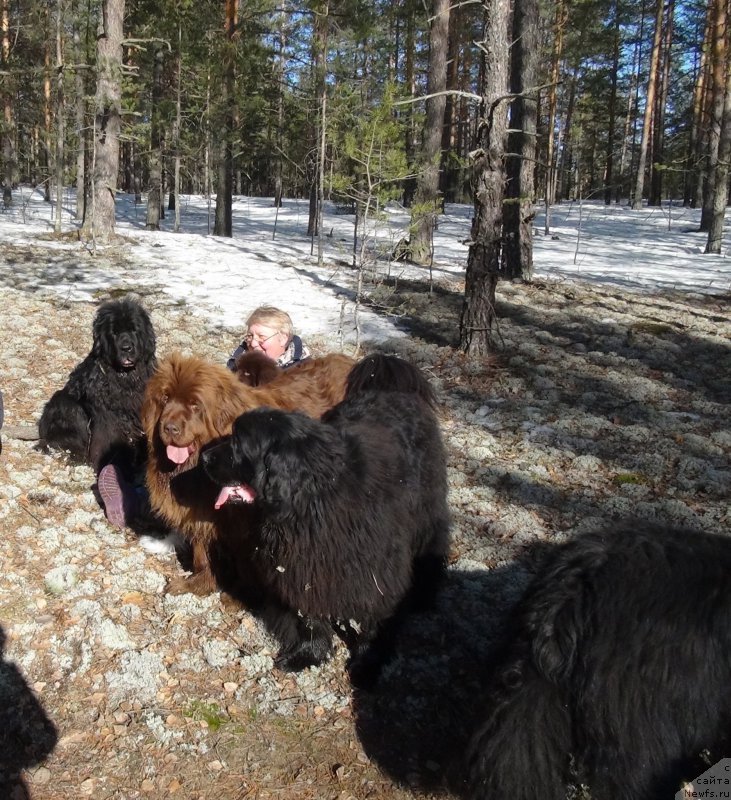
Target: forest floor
[599,406]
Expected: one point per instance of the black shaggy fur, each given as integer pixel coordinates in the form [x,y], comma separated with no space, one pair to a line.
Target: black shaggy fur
[349,519]
[620,656]
[96,416]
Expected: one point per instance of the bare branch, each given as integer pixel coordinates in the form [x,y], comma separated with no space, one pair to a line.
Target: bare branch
[477,98]
[454,92]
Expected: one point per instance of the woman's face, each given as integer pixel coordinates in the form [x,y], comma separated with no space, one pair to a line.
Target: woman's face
[267,340]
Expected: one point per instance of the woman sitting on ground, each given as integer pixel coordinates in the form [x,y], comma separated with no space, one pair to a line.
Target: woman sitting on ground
[270,331]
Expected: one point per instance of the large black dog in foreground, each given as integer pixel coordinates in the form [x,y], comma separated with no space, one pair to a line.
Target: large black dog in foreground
[96,416]
[620,656]
[348,520]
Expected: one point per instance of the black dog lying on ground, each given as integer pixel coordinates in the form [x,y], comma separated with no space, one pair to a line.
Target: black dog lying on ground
[619,655]
[96,416]
[348,517]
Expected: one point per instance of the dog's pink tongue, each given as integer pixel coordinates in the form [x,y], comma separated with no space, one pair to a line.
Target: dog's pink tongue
[243,492]
[178,455]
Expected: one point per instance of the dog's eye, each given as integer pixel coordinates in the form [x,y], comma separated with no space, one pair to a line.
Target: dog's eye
[194,407]
[164,400]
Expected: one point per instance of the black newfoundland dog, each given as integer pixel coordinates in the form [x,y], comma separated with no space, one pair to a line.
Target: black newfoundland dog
[346,521]
[619,657]
[96,416]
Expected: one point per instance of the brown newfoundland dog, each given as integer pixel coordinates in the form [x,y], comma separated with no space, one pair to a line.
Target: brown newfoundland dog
[256,369]
[189,403]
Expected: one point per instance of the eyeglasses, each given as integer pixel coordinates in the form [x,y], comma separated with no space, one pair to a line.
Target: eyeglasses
[250,338]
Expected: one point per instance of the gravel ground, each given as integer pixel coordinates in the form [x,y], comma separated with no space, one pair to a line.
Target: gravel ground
[600,405]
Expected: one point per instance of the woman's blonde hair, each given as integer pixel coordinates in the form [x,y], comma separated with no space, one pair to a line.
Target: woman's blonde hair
[272,317]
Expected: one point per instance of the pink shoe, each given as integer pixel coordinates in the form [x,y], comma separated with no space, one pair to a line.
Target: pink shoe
[117,495]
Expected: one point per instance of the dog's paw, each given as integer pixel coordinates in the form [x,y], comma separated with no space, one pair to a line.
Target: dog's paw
[298,658]
[364,672]
[177,586]
[190,584]
[230,603]
[296,662]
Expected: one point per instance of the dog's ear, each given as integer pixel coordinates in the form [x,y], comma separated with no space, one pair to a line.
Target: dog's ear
[101,334]
[300,460]
[262,446]
[278,478]
[559,624]
[152,401]
[146,335]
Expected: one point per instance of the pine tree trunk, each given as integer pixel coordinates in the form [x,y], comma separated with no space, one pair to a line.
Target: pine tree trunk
[410,90]
[519,209]
[719,189]
[80,56]
[694,159]
[633,103]
[60,111]
[137,173]
[719,51]
[8,130]
[100,222]
[176,130]
[483,260]
[319,61]
[47,116]
[630,133]
[564,173]
[154,159]
[426,199]
[559,22]
[279,134]
[612,110]
[223,225]
[321,174]
[466,128]
[448,173]
[649,108]
[658,127]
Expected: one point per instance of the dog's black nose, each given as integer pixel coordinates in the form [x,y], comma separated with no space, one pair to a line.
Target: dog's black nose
[171,429]
[126,343]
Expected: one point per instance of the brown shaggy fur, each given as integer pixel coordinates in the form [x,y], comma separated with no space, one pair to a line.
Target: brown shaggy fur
[189,403]
[255,369]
